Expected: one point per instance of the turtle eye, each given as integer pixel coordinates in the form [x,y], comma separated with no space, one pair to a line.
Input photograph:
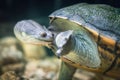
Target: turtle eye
[43,34]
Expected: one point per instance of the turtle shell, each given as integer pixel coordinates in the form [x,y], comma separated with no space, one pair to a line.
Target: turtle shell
[103,22]
[99,18]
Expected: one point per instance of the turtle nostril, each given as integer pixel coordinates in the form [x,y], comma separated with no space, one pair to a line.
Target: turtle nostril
[44,34]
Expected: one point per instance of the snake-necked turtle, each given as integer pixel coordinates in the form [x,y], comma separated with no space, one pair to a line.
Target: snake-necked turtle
[87,36]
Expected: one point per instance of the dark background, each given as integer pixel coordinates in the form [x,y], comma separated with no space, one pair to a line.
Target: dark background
[12,11]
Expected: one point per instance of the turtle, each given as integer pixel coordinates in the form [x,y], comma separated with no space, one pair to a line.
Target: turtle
[85,36]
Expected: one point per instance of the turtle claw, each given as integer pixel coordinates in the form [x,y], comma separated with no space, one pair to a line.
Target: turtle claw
[59,52]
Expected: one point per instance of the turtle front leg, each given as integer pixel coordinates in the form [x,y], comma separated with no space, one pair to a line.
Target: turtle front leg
[66,71]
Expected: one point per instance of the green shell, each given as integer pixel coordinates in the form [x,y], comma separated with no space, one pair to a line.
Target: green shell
[102,18]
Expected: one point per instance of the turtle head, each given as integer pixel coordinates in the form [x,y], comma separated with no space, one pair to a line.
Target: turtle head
[29,31]
[62,42]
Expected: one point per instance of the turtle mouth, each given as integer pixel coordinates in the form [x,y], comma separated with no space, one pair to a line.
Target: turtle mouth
[41,40]
[46,40]
[35,41]
[40,43]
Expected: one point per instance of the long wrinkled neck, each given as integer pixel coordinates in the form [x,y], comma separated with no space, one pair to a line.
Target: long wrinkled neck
[66,71]
[84,49]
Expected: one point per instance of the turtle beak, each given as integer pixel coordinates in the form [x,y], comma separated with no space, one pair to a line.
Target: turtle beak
[59,52]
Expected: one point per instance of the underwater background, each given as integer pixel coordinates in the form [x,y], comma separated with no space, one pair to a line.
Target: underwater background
[15,10]
[28,61]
